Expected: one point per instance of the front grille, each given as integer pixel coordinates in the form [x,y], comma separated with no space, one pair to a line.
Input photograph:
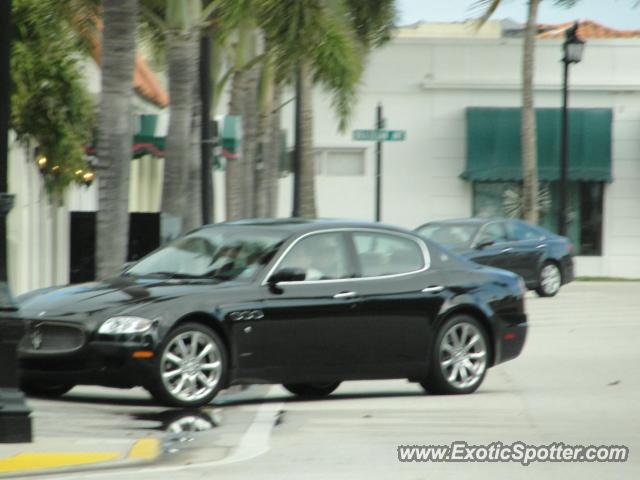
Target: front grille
[49,337]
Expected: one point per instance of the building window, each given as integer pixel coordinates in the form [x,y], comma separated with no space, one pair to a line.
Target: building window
[340,162]
[499,199]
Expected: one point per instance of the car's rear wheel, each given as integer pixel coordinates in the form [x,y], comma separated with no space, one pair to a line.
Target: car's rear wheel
[460,358]
[549,280]
[190,367]
[45,389]
[311,389]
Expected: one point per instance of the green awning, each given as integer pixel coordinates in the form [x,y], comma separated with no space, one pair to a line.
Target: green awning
[231,136]
[494,147]
[148,140]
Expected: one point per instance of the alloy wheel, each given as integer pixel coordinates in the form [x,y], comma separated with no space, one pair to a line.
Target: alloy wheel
[550,279]
[191,366]
[463,355]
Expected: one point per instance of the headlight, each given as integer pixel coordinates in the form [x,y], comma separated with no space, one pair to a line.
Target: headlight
[118,325]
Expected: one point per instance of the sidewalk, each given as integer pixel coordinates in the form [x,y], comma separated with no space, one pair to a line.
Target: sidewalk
[60,455]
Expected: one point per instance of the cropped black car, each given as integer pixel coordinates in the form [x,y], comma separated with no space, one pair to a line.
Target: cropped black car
[541,258]
[305,303]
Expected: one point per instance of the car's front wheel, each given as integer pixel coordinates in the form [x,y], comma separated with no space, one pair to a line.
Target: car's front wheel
[460,358]
[549,280]
[190,367]
[311,389]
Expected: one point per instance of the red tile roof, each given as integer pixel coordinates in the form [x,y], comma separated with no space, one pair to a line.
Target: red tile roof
[587,29]
[145,82]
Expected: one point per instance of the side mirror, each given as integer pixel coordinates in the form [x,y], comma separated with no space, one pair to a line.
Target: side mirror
[287,275]
[484,244]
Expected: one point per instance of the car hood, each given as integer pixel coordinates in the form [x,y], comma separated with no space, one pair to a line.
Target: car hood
[115,296]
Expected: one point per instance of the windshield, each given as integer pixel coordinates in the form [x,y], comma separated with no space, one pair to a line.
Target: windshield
[222,253]
[452,235]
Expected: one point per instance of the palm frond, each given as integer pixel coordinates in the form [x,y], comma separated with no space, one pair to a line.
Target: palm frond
[372,20]
[487,8]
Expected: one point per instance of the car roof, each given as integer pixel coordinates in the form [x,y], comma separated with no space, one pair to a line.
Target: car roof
[466,221]
[304,225]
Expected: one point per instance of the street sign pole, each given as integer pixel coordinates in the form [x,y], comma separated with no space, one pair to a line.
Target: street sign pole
[379,127]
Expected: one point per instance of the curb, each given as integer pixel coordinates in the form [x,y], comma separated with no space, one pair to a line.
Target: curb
[143,451]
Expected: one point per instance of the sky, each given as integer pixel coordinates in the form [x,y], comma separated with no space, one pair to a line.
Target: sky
[619,14]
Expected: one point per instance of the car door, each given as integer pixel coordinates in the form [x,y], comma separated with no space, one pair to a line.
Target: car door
[299,337]
[528,250]
[492,247]
[400,297]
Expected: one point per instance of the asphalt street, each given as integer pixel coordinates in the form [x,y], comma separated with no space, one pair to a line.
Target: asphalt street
[577,382]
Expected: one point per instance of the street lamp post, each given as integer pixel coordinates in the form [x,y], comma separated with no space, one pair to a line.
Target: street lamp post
[15,422]
[573,48]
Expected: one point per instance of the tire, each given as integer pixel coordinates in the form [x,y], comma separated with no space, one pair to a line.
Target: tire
[178,373]
[549,280]
[311,389]
[471,358]
[44,389]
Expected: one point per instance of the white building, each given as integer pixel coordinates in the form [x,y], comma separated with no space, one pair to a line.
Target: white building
[455,92]
[457,99]
[39,231]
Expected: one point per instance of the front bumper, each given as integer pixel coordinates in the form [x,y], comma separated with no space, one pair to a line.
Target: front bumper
[107,363]
[566,264]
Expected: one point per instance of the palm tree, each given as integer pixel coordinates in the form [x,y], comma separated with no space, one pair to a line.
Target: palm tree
[530,187]
[311,42]
[324,42]
[115,133]
[179,24]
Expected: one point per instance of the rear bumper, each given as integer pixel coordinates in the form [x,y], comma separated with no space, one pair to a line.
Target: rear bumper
[510,338]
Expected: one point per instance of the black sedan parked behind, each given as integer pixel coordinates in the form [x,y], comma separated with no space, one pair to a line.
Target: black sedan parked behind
[308,304]
[543,259]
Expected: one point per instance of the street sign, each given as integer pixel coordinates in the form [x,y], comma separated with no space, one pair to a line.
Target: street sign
[380,135]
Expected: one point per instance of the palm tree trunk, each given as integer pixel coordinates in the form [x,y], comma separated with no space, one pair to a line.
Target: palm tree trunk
[115,134]
[528,122]
[307,166]
[233,186]
[193,210]
[274,152]
[182,50]
[250,142]
[269,135]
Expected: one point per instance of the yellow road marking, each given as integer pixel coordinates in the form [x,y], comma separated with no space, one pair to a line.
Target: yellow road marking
[145,449]
[41,460]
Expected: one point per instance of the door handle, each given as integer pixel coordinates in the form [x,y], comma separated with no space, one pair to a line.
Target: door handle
[542,245]
[345,295]
[434,289]
[505,250]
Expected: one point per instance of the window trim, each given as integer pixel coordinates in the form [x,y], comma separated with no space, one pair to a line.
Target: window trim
[539,238]
[423,248]
[474,243]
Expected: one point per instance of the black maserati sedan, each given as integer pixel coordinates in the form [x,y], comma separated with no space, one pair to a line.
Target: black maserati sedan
[307,304]
[544,260]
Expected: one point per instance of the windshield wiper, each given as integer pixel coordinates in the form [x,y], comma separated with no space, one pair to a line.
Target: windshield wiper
[171,275]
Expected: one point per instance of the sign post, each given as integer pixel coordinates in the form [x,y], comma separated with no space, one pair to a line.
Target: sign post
[379,135]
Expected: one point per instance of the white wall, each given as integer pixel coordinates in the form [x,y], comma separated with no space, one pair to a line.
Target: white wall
[38,232]
[426,85]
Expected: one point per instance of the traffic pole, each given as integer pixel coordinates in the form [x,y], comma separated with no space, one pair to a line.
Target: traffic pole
[379,127]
